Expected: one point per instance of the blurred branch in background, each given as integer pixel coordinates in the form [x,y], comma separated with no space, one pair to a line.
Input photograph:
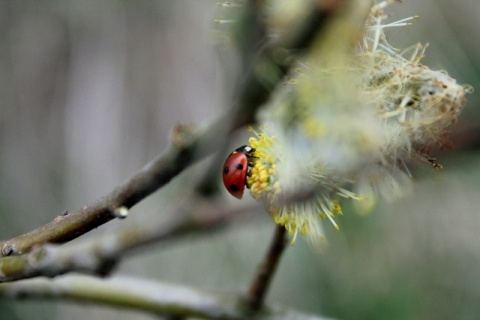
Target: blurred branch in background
[144,296]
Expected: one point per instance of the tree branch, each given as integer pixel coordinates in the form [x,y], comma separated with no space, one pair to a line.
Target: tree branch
[99,255]
[138,294]
[183,151]
[262,279]
[141,295]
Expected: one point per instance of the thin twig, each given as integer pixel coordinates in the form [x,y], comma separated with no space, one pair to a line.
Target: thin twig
[262,279]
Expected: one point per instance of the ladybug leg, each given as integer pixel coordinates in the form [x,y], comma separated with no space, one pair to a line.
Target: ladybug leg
[251,164]
[250,158]
[249,174]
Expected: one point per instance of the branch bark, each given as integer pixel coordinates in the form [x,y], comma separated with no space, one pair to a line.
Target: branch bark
[261,282]
[183,151]
[99,255]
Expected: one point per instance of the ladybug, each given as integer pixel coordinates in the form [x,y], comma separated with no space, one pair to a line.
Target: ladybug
[235,170]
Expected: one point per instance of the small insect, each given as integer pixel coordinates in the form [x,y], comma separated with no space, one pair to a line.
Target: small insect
[235,170]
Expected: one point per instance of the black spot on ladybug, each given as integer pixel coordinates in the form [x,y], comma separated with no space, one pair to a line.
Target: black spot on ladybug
[226,170]
[234,187]
[239,166]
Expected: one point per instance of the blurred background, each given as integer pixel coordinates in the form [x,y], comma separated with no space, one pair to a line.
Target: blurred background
[89,91]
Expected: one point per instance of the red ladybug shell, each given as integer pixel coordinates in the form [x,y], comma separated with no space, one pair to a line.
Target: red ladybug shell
[235,172]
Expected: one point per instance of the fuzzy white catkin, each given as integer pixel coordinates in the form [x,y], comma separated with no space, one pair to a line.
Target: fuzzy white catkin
[350,118]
